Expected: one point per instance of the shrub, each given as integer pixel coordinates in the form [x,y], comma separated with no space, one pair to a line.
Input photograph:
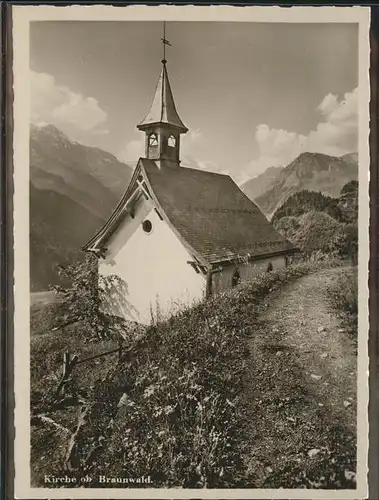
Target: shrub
[307,201]
[345,242]
[344,297]
[350,187]
[317,232]
[92,299]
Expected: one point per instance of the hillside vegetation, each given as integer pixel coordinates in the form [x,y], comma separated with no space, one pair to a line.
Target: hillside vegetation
[173,406]
[348,201]
[306,201]
[317,223]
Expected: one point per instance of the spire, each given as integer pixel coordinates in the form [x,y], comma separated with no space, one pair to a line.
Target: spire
[163,108]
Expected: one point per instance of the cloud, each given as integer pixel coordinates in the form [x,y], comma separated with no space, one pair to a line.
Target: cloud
[58,105]
[338,133]
[335,134]
[194,152]
[133,149]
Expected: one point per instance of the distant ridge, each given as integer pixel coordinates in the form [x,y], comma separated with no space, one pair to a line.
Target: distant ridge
[254,188]
[309,171]
[73,190]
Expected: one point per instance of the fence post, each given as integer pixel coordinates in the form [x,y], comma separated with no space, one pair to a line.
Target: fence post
[68,366]
[120,350]
[66,363]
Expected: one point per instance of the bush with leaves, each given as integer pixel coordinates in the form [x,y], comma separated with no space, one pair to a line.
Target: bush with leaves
[308,201]
[315,232]
[92,299]
[344,297]
[350,187]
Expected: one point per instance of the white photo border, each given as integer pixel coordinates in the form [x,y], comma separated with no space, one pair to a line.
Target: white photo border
[22,16]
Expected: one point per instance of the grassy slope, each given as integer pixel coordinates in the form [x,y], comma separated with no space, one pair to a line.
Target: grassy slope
[183,416]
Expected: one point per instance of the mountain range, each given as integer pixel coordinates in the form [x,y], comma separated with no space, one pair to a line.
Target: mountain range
[309,171]
[73,190]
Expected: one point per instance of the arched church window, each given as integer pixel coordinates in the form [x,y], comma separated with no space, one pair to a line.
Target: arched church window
[153,140]
[171,141]
[235,278]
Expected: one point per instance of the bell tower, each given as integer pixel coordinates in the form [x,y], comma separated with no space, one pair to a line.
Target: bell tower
[162,125]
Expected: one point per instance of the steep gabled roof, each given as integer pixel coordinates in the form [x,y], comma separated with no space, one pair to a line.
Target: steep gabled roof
[213,218]
[163,109]
[102,236]
[212,214]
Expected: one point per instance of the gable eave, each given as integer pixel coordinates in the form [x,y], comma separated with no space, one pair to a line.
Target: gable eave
[240,258]
[147,124]
[95,244]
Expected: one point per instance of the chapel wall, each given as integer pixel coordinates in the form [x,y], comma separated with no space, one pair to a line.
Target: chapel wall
[153,268]
[223,280]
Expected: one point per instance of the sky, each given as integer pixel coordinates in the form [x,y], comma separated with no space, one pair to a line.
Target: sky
[253,95]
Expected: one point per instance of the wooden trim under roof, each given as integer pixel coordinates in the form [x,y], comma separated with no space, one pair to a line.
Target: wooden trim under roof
[241,259]
[96,244]
[111,224]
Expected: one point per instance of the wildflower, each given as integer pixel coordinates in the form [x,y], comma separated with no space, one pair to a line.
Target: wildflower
[149,391]
[168,410]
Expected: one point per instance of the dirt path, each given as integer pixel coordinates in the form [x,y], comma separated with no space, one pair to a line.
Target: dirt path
[301,391]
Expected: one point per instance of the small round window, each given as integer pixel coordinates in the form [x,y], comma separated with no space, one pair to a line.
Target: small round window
[147,226]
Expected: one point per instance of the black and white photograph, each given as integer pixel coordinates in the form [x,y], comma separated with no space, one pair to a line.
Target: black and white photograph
[191,252]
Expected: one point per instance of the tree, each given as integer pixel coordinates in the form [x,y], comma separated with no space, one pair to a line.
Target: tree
[84,294]
[306,201]
[350,187]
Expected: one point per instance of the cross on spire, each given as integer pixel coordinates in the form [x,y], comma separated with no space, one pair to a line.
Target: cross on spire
[162,109]
[164,42]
